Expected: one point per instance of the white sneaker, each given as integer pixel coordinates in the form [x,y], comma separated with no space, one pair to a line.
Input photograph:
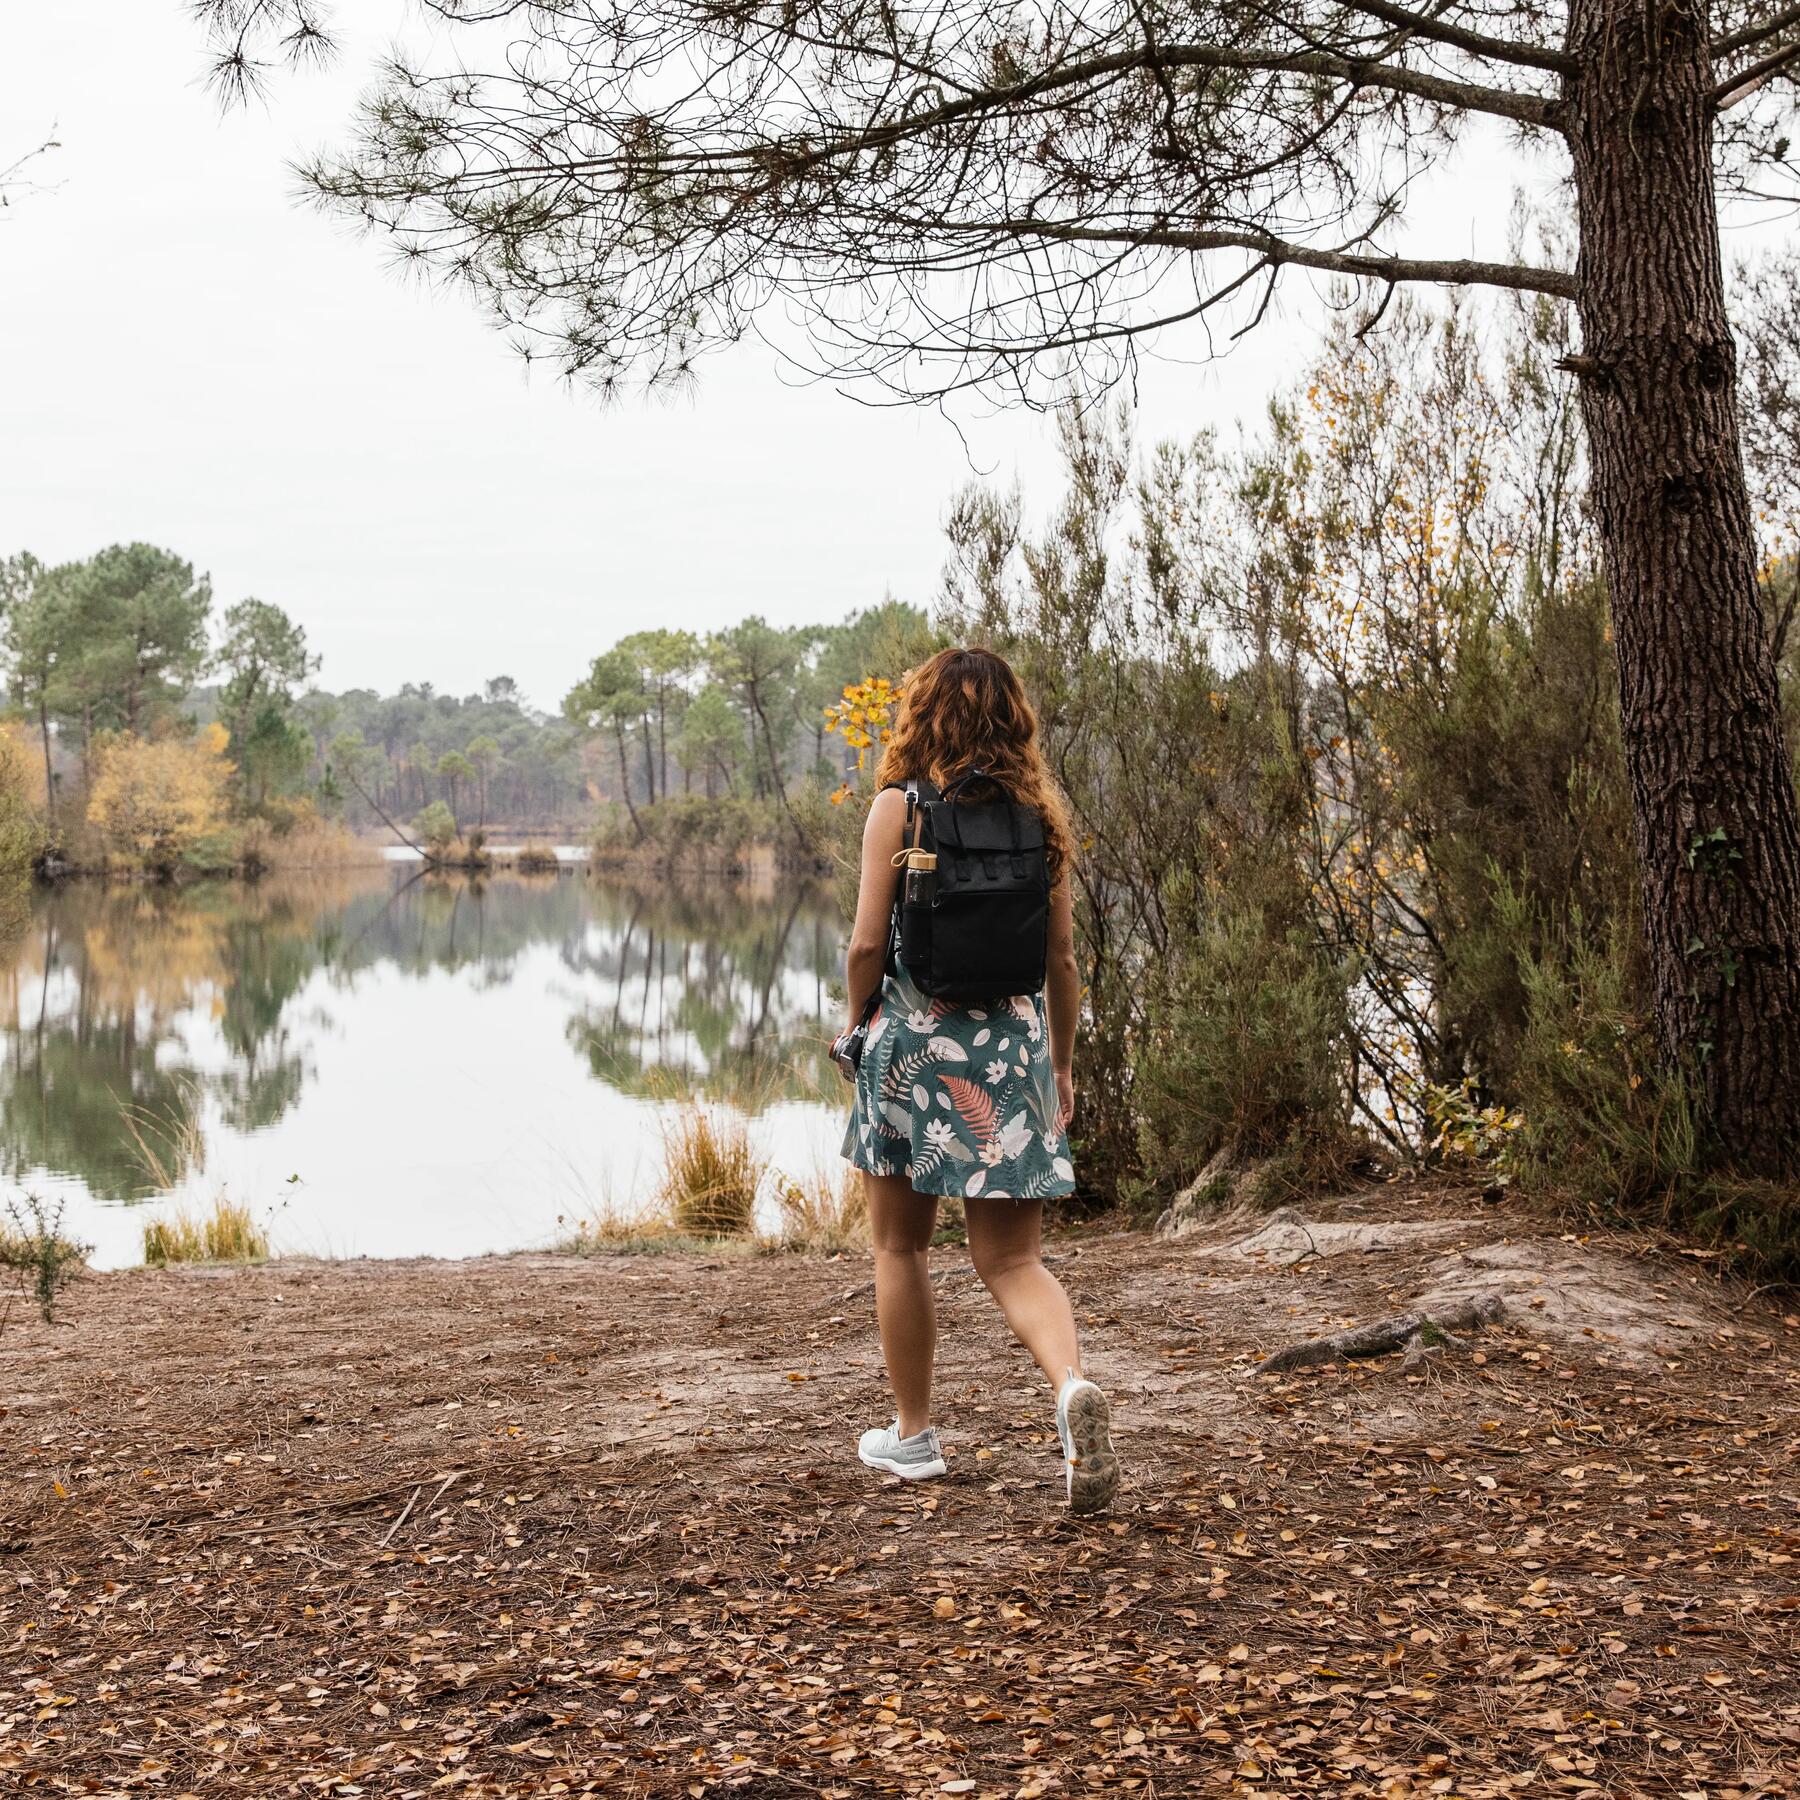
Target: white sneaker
[917,1458]
[1083,1422]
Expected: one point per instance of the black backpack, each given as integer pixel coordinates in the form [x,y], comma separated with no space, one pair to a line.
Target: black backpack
[977,927]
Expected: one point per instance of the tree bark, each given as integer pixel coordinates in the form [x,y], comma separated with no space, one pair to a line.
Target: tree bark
[1717,837]
[662,734]
[49,770]
[637,828]
[781,793]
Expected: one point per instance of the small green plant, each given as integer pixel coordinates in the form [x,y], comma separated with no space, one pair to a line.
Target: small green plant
[1466,1131]
[228,1234]
[711,1174]
[33,1244]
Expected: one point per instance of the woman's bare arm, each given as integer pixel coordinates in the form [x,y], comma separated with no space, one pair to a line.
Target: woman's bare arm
[882,834]
[1062,989]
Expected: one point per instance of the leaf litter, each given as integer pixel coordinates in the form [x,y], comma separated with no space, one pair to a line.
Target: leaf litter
[537,1526]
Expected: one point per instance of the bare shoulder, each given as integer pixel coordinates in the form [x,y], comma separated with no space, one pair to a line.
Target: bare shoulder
[887,818]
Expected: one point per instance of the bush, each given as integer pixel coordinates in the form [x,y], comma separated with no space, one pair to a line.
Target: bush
[32,1242]
[435,828]
[160,803]
[826,1215]
[1597,1122]
[21,836]
[1243,1051]
[725,831]
[1604,1124]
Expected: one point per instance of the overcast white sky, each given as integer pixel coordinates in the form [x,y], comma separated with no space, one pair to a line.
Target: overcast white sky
[190,356]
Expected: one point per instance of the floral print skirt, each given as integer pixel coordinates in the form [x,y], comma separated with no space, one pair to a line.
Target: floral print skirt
[960,1098]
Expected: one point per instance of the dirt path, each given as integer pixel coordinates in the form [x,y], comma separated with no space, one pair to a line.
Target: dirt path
[536,1526]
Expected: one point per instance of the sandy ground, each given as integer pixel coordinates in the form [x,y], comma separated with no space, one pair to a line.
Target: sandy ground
[543,1525]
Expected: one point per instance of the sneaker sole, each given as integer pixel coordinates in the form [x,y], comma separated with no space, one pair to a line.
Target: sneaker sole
[1093,1469]
[926,1471]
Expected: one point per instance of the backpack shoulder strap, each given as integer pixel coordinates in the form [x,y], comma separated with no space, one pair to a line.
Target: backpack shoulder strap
[919,792]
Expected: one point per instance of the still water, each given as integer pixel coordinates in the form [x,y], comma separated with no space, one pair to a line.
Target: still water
[381,1062]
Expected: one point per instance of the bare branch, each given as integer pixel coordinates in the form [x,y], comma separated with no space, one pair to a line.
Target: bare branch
[1476,43]
[1743,85]
[1756,34]
[1275,251]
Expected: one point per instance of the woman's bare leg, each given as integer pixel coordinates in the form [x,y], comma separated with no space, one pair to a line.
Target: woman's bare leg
[1006,1242]
[901,1222]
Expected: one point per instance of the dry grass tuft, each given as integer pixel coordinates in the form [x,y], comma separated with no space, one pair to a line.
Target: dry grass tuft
[711,1173]
[825,1215]
[228,1234]
[169,1148]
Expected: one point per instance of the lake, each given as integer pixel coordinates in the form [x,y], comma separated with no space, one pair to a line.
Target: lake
[384,1062]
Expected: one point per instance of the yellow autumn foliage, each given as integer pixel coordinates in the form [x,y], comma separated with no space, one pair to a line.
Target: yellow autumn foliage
[156,801]
[20,834]
[865,717]
[21,765]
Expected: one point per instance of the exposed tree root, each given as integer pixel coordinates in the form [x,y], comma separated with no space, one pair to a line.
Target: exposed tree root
[1412,1331]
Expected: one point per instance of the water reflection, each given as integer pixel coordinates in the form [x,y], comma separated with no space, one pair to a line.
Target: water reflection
[439,1051]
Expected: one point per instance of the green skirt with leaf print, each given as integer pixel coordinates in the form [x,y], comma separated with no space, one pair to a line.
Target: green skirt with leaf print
[961,1099]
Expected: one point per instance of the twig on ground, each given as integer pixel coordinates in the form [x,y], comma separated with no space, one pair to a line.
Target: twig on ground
[429,1504]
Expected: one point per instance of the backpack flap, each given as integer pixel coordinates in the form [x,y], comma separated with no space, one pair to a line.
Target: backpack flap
[990,910]
[993,847]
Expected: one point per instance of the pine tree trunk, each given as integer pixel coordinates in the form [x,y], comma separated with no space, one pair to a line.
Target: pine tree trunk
[1718,840]
[637,829]
[49,769]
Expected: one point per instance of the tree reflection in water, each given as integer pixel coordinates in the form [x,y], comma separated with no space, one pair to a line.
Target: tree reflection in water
[217,997]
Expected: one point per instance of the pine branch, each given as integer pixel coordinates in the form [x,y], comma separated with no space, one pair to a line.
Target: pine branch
[1748,82]
[1275,251]
[1538,110]
[1429,25]
[1756,34]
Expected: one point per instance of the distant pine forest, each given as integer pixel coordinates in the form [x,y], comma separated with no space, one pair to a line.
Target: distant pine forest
[151,730]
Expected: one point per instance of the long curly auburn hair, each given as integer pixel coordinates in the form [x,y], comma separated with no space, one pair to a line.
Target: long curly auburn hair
[965,709]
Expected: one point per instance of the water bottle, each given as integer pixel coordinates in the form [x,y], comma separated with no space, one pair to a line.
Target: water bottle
[921,877]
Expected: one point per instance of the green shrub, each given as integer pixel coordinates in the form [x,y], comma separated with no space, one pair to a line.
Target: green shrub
[1244,1051]
[435,828]
[726,830]
[32,1243]
[1605,1126]
[1607,1129]
[21,833]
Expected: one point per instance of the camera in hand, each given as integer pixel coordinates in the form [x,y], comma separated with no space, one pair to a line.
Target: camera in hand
[847,1049]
